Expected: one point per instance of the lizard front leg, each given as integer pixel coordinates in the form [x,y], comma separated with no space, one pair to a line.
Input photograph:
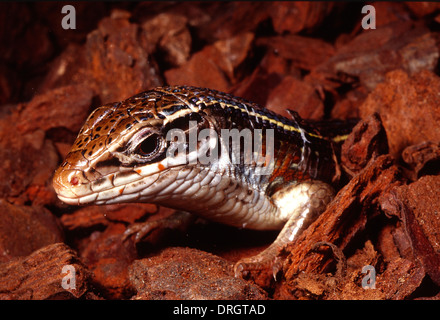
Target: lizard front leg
[299,204]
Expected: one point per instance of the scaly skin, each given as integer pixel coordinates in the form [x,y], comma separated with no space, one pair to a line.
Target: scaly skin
[122,154]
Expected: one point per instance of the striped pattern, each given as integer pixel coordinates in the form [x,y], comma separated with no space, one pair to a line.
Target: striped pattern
[122,154]
[105,166]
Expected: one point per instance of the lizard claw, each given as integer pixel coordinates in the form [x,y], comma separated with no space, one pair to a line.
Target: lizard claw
[243,267]
[239,270]
[178,220]
[276,267]
[140,230]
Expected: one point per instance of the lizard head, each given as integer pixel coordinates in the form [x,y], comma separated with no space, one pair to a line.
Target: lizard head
[121,154]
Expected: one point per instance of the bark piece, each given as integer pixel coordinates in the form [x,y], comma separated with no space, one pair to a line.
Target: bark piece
[214,66]
[304,52]
[345,217]
[108,257]
[421,9]
[266,76]
[409,107]
[367,141]
[423,158]
[294,17]
[296,95]
[62,107]
[368,57]
[184,273]
[117,65]
[229,19]
[24,229]
[93,216]
[40,276]
[417,205]
[27,161]
[168,34]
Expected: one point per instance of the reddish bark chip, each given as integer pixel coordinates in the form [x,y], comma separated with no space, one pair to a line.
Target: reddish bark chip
[367,141]
[53,272]
[184,273]
[409,107]
[296,95]
[24,229]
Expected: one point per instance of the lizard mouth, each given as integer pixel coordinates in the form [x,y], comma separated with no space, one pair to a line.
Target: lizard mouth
[135,184]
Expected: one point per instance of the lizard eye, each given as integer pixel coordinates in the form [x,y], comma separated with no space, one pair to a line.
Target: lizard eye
[150,146]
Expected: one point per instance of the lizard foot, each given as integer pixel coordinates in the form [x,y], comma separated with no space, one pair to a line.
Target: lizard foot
[257,263]
[177,220]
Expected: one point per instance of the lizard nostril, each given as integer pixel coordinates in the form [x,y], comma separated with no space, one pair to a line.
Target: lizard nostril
[74,181]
